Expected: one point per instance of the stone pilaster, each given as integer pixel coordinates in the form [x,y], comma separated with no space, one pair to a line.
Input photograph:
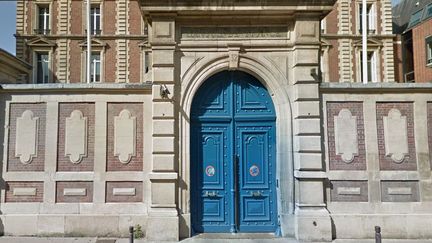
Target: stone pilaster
[122,28]
[387,29]
[312,218]
[163,178]
[345,45]
[63,28]
[20,28]
[344,17]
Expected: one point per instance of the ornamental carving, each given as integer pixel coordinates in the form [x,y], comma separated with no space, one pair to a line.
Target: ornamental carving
[76,137]
[26,137]
[346,142]
[125,136]
[395,136]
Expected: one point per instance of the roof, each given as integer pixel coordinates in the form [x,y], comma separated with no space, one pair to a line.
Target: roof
[9,58]
[403,12]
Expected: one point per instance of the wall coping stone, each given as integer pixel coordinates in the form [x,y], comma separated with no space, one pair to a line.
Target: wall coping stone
[376,87]
[75,86]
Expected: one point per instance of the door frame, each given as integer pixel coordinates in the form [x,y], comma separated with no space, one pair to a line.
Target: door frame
[277,85]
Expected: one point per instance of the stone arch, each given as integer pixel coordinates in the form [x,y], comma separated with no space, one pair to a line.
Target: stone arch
[277,84]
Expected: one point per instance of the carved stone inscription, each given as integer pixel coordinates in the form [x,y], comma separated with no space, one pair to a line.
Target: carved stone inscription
[26,137]
[345,126]
[124,136]
[236,32]
[395,135]
[76,136]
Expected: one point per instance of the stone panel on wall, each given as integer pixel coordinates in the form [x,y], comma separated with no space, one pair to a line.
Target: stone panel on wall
[76,135]
[26,137]
[74,191]
[24,191]
[124,191]
[346,141]
[399,191]
[125,123]
[396,142]
[349,191]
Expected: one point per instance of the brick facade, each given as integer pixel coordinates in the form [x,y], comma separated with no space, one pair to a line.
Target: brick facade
[429,124]
[33,191]
[124,196]
[423,73]
[81,191]
[37,162]
[386,163]
[63,161]
[335,161]
[136,163]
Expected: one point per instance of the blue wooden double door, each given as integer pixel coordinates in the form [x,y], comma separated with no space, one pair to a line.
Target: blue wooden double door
[233,157]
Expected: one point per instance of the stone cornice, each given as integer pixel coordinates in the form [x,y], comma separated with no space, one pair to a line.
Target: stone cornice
[376,87]
[78,87]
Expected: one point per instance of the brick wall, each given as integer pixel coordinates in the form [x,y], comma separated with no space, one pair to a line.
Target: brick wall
[63,161]
[429,124]
[37,162]
[24,191]
[136,163]
[423,73]
[335,161]
[386,163]
[74,191]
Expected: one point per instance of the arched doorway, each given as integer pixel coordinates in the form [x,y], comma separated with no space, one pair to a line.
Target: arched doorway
[233,156]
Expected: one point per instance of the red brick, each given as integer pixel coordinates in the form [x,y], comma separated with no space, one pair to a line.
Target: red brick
[110,185]
[63,162]
[9,197]
[406,109]
[136,163]
[335,161]
[37,163]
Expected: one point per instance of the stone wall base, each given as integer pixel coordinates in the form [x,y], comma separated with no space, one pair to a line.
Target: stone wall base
[393,226]
[73,225]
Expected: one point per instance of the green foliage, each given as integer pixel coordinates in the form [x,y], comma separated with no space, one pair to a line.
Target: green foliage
[138,233]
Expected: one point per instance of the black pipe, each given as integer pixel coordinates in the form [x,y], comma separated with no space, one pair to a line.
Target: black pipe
[131,234]
[377,234]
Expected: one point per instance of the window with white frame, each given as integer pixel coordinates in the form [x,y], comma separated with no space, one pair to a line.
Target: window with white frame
[43,20]
[42,67]
[95,67]
[95,20]
[371,18]
[429,51]
[371,64]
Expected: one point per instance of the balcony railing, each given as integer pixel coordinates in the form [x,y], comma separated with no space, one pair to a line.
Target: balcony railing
[42,31]
[94,32]
[410,77]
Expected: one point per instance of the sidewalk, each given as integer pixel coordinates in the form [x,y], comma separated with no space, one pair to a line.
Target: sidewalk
[7,239]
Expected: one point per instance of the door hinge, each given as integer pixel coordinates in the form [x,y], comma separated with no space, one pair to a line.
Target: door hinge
[277,183]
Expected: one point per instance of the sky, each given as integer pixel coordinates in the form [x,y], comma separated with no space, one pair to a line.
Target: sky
[7,24]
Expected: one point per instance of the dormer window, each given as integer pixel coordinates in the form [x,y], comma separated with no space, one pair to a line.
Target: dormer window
[370,18]
[43,25]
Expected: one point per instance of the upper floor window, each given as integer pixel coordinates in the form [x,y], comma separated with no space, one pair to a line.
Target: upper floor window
[42,67]
[371,64]
[95,67]
[43,25]
[95,20]
[370,18]
[429,51]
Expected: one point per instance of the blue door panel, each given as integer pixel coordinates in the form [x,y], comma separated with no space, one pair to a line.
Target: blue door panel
[233,185]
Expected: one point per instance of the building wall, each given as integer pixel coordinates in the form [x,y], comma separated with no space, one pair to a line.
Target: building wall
[370,183]
[423,73]
[122,33]
[72,180]
[341,24]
